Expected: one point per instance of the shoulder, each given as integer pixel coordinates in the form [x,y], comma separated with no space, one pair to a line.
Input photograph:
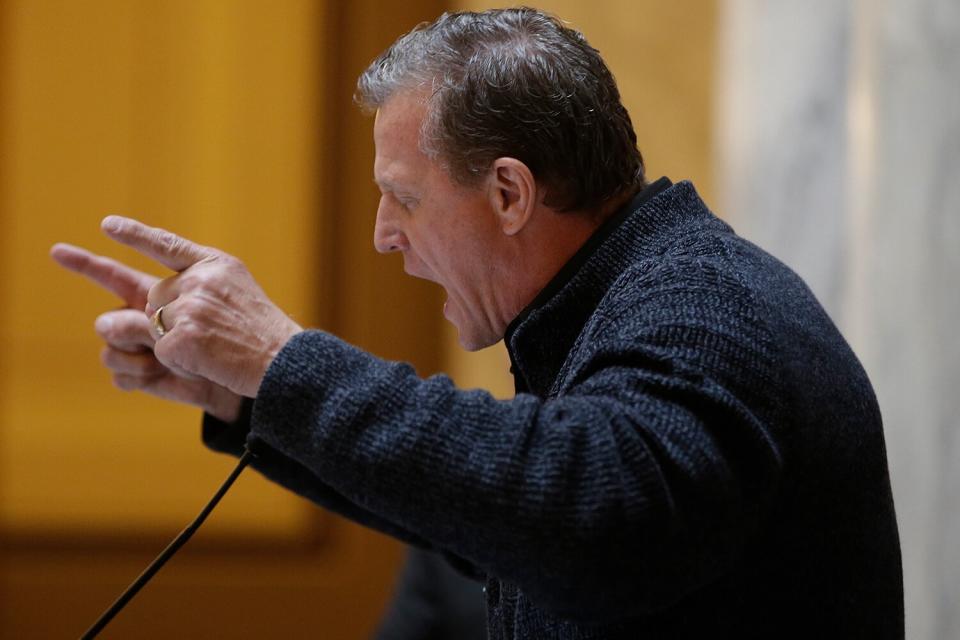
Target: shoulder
[696,306]
[704,275]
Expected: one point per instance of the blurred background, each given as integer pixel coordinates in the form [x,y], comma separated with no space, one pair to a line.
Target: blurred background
[828,131]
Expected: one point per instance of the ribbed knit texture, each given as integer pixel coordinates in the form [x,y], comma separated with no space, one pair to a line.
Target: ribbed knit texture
[696,451]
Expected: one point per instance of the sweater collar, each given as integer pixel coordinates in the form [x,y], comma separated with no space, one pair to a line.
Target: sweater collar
[589,247]
[540,337]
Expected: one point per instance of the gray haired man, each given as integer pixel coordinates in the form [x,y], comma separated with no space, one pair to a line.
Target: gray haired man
[693,450]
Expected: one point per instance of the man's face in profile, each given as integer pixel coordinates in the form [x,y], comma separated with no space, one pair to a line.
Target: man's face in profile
[446,232]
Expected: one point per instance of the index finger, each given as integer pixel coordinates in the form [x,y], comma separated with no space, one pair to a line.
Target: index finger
[165,247]
[131,285]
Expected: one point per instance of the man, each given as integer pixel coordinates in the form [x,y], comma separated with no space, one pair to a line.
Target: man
[693,450]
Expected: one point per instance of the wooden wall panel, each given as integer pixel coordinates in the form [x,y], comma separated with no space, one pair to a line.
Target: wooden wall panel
[155,111]
[232,123]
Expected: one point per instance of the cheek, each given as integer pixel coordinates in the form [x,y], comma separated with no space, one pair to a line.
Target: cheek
[431,249]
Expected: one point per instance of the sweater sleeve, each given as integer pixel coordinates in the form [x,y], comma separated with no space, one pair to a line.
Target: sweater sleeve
[231,438]
[636,487]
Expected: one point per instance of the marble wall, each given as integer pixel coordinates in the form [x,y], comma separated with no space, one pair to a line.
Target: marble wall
[839,151]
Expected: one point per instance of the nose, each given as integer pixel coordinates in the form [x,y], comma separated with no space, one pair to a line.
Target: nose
[387,235]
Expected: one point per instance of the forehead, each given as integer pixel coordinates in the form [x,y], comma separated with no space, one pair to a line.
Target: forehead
[396,135]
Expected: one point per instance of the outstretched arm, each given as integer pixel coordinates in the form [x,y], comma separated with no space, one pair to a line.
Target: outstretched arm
[214,299]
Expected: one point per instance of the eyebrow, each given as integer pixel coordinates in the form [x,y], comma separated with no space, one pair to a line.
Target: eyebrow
[392,187]
[388,183]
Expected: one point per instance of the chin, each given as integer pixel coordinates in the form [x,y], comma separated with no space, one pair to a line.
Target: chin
[474,341]
[470,337]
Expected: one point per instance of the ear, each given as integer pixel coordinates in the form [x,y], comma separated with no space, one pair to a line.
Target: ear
[512,191]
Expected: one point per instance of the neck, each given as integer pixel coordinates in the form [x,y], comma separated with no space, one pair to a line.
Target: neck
[535,257]
[547,242]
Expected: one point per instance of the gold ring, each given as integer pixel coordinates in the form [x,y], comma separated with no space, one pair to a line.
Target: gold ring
[158,322]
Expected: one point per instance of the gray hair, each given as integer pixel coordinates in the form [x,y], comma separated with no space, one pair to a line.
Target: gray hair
[514,83]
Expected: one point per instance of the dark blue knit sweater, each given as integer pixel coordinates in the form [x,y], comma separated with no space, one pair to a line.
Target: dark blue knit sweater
[695,451]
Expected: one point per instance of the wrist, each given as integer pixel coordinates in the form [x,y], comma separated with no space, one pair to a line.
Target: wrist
[223,404]
[282,337]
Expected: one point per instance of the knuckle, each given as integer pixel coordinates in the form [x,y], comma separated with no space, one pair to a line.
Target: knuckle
[141,366]
[165,350]
[188,330]
[199,278]
[174,354]
[229,265]
[124,382]
[154,292]
[104,325]
[190,279]
[188,309]
[167,241]
[232,262]
[115,334]
[105,332]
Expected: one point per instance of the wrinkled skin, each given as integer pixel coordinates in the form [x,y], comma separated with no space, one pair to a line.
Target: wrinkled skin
[222,331]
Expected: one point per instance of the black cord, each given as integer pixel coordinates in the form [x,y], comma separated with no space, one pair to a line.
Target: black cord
[166,554]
